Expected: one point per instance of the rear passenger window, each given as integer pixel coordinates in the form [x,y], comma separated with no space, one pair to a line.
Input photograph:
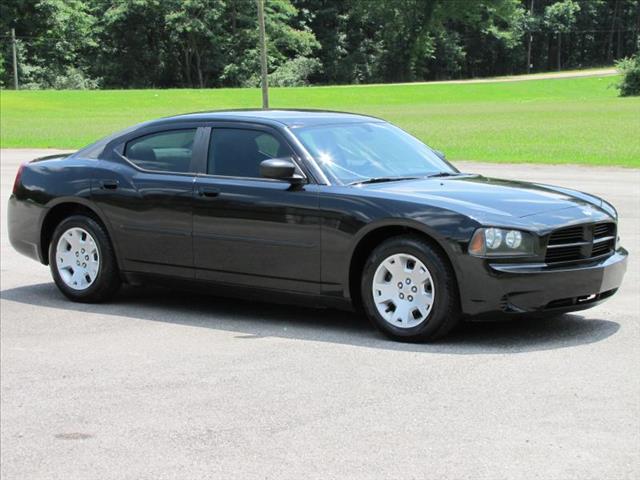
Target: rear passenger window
[238,152]
[168,151]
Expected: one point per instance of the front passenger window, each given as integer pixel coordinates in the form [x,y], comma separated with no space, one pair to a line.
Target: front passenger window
[239,152]
[168,151]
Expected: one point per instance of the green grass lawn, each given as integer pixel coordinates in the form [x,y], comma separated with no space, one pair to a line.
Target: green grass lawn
[573,120]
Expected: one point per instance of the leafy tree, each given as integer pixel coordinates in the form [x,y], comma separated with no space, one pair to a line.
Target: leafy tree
[59,37]
[560,18]
[290,46]
[134,45]
[212,43]
[194,28]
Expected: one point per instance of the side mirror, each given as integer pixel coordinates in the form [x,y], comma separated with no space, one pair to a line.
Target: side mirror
[280,169]
[440,154]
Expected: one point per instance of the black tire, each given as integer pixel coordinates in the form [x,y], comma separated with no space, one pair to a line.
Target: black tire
[445,311]
[107,281]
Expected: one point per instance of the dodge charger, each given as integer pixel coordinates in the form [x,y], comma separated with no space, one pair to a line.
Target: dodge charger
[323,208]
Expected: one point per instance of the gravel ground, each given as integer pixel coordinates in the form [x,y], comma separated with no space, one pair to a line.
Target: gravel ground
[165,384]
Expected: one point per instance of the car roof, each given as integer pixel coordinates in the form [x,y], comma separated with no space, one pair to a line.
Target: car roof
[289,118]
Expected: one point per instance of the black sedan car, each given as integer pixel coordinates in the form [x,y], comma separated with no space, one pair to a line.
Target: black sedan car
[329,208]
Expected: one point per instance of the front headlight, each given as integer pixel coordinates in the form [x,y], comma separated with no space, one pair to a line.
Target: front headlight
[501,242]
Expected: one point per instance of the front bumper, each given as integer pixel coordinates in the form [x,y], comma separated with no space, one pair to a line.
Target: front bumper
[529,288]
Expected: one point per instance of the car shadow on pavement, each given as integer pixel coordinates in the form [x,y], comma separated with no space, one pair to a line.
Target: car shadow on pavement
[256,320]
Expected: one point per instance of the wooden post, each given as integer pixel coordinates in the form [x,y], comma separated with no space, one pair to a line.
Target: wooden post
[263,56]
[530,39]
[15,59]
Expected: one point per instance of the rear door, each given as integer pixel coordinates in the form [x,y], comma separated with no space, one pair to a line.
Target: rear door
[148,198]
[250,230]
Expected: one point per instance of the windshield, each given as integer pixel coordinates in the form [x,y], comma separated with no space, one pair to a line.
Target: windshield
[362,151]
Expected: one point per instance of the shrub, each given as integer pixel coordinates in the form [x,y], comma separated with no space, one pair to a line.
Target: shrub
[630,70]
[36,77]
[74,79]
[294,72]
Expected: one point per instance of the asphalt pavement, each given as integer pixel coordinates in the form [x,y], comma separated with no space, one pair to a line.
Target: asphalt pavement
[163,384]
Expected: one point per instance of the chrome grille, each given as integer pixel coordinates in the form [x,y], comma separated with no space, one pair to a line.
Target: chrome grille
[563,254]
[581,242]
[567,235]
[601,249]
[604,230]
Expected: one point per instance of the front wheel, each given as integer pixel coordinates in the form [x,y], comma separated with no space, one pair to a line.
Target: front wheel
[82,261]
[409,291]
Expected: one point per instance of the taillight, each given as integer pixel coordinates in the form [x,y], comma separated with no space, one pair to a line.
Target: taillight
[17,181]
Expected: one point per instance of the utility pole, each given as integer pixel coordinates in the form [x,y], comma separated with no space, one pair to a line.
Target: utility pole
[263,56]
[15,59]
[530,39]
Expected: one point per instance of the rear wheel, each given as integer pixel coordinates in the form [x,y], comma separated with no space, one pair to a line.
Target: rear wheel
[82,260]
[409,291]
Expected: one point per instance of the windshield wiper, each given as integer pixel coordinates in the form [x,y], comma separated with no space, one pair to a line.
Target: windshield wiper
[444,174]
[381,179]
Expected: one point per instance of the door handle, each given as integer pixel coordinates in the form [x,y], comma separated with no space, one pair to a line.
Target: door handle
[208,192]
[108,184]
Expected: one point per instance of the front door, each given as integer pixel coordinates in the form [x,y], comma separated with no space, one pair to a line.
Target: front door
[249,230]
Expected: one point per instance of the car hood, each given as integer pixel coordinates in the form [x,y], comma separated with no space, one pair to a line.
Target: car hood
[480,196]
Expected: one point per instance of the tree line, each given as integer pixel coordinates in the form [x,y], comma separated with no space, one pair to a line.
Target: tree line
[214,43]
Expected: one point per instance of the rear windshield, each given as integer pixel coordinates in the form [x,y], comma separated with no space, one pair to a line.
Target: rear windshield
[95,149]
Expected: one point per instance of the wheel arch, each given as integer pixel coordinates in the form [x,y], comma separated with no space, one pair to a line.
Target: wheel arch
[62,209]
[374,236]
